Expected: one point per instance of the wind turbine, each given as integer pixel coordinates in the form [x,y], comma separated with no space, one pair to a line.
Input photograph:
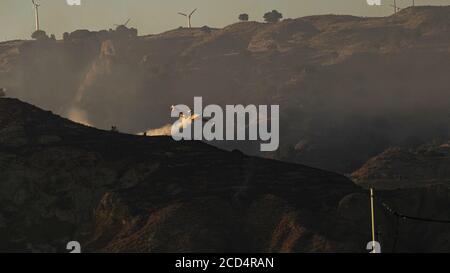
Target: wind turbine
[188,16]
[36,13]
[126,23]
[396,8]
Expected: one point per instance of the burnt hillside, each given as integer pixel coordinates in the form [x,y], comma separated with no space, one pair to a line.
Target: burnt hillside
[348,87]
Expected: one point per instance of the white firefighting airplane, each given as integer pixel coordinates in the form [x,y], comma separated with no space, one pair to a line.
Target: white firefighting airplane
[189,117]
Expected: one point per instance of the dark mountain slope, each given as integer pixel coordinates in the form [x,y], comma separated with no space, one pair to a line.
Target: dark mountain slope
[54,173]
[61,181]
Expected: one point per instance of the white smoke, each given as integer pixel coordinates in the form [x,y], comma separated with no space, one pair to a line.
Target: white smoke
[79,116]
[166,130]
[163,131]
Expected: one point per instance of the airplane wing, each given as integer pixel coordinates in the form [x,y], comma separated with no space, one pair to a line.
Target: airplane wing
[195,116]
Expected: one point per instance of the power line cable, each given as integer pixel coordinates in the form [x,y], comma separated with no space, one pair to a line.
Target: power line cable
[400,216]
[407,217]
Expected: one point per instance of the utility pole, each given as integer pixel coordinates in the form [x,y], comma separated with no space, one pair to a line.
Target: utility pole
[372,212]
[374,245]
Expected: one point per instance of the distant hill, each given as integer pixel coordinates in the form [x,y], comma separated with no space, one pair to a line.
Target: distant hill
[61,181]
[348,87]
[399,168]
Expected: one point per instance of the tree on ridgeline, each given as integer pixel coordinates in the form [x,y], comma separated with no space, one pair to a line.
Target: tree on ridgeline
[273,16]
[243,17]
[66,36]
[39,35]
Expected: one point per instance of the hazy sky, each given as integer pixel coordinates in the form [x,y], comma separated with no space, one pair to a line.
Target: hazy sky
[154,16]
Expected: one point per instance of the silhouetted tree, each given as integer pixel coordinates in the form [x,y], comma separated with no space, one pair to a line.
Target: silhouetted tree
[205,29]
[273,16]
[243,17]
[66,36]
[39,35]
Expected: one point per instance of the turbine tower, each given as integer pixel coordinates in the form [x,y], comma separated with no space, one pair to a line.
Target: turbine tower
[36,13]
[188,17]
[396,8]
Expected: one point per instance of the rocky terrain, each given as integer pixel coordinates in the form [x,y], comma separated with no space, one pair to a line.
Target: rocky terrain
[62,181]
[399,168]
[348,87]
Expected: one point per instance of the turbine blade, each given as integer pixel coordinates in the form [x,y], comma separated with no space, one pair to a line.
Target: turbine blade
[126,23]
[184,14]
[193,12]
